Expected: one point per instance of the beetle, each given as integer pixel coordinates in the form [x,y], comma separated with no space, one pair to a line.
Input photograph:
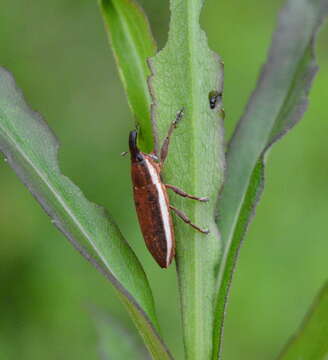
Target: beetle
[151,198]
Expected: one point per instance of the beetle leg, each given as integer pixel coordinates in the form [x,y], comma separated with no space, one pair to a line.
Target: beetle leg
[153,156]
[166,143]
[184,194]
[185,218]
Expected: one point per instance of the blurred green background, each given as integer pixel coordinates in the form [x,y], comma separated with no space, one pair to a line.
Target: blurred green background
[59,55]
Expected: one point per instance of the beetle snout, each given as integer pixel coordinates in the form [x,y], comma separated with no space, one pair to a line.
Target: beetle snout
[134,151]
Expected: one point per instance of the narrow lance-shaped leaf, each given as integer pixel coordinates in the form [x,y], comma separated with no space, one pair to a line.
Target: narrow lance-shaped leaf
[310,342]
[185,72]
[276,105]
[115,341]
[132,43]
[31,149]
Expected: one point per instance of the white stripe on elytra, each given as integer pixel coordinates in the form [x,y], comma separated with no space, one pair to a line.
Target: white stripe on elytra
[163,206]
[154,175]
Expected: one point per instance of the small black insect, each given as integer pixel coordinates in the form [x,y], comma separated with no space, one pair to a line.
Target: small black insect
[215,98]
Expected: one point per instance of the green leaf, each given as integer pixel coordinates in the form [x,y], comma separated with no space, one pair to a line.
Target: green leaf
[311,341]
[276,105]
[115,341]
[185,72]
[230,257]
[31,149]
[132,43]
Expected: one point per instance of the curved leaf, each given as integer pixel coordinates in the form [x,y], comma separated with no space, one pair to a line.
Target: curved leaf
[132,43]
[31,150]
[247,211]
[310,342]
[115,341]
[185,72]
[276,105]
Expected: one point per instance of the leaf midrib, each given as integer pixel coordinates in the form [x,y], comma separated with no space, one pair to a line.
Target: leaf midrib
[192,46]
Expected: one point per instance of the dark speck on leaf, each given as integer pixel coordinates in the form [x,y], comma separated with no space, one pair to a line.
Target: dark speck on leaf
[215,99]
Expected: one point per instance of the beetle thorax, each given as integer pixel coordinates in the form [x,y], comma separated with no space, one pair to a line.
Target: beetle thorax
[145,172]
